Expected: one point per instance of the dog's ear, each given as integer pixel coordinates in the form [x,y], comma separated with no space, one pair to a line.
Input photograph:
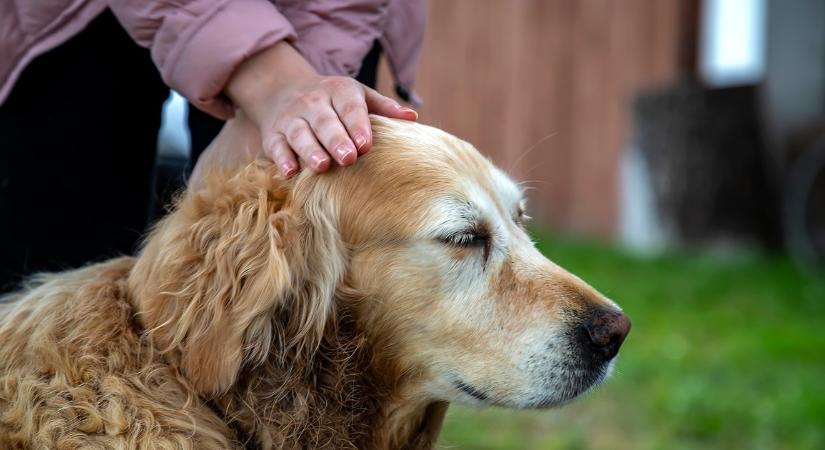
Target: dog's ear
[216,271]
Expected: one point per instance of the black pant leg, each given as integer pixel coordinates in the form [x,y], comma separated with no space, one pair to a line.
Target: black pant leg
[78,137]
[368,73]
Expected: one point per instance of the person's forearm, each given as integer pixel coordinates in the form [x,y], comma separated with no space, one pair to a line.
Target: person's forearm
[264,74]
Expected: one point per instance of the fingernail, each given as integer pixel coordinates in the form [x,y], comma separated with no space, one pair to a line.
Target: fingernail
[404,109]
[360,141]
[345,152]
[318,160]
[288,170]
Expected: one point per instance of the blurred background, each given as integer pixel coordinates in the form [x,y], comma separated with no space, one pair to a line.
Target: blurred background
[674,153]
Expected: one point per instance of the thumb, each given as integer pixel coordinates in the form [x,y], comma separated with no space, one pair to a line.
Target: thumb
[385,106]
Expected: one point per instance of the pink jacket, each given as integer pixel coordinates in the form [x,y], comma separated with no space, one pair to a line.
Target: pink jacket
[196,44]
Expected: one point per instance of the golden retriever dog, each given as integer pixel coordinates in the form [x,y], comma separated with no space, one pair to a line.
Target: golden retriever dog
[337,310]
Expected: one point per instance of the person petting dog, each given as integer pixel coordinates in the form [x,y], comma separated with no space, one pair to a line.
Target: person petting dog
[80,103]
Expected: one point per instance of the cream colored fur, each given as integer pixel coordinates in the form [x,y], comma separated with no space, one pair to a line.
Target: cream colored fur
[328,311]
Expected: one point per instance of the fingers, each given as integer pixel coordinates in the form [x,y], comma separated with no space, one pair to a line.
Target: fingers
[279,152]
[302,140]
[331,134]
[352,112]
[385,106]
[323,119]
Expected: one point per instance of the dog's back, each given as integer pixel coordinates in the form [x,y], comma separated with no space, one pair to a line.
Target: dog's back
[72,360]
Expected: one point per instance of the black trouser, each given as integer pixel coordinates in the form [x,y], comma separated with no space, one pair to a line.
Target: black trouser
[78,138]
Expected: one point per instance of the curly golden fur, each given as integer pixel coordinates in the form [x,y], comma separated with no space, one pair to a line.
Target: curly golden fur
[327,311]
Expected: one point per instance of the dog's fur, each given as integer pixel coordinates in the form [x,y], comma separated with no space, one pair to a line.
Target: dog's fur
[341,310]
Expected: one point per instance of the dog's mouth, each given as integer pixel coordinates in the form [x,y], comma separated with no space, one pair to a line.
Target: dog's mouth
[471,391]
[557,391]
[574,385]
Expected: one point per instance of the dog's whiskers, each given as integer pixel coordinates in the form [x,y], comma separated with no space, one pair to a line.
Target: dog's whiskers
[529,150]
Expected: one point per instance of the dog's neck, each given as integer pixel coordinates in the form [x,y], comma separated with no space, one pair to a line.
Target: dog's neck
[345,397]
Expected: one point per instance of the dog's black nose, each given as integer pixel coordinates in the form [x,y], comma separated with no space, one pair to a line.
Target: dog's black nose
[605,332]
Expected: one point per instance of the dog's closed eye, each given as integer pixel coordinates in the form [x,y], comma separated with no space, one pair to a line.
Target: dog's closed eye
[473,238]
[466,238]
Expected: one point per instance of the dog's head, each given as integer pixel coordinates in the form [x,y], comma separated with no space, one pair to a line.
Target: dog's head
[424,240]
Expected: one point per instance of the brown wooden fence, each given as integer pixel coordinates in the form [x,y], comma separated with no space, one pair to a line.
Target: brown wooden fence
[543,87]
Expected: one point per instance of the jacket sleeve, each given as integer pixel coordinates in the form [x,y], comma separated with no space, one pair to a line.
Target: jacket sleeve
[197,44]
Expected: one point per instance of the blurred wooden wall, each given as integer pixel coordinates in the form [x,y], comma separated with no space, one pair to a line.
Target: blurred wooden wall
[544,86]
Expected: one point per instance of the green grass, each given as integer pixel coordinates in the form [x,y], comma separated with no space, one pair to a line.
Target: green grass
[723,354]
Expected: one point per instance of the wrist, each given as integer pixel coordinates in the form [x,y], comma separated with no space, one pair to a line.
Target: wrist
[265,74]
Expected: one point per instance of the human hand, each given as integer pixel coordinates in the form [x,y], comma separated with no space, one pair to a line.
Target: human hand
[300,113]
